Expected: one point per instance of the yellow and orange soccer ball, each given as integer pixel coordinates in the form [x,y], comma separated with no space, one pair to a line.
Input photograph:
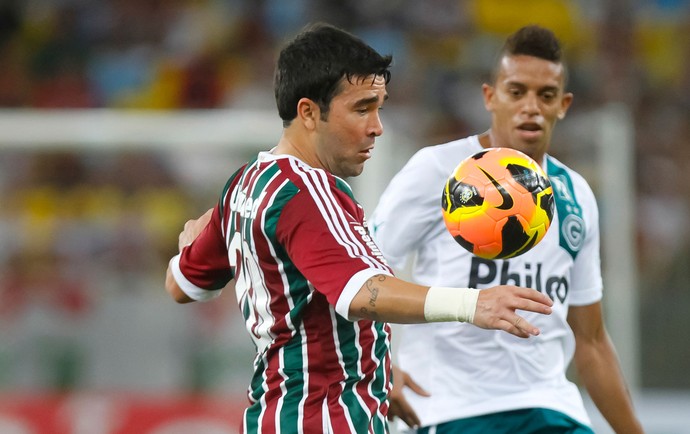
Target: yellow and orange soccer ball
[498,203]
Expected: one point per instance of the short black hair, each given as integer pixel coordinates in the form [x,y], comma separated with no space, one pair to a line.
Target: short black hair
[312,64]
[532,40]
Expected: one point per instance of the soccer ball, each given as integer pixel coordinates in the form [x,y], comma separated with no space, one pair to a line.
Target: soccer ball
[498,203]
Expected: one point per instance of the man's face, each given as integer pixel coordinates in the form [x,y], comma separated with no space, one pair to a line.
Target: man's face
[525,102]
[346,138]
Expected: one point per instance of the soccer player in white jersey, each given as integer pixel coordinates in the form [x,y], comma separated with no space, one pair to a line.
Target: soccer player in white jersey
[462,379]
[312,286]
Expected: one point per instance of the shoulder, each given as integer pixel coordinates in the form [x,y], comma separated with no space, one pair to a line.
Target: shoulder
[433,164]
[574,175]
[267,179]
[313,180]
[294,174]
[318,187]
[446,156]
[579,184]
[429,168]
[573,192]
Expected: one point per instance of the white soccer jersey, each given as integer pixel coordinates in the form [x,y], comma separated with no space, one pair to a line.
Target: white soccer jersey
[471,371]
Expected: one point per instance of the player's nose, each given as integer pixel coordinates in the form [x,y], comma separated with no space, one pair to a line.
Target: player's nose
[375,127]
[530,104]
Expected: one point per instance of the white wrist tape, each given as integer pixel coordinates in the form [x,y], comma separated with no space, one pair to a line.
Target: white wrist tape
[450,304]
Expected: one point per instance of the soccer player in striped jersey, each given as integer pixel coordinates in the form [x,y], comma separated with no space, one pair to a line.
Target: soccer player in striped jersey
[314,289]
[470,381]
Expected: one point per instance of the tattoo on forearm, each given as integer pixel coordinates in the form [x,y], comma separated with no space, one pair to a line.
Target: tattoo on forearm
[373,292]
[372,286]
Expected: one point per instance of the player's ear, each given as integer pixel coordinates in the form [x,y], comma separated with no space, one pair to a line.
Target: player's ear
[308,112]
[565,104]
[488,93]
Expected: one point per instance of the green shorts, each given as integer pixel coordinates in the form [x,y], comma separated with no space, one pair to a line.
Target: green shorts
[525,421]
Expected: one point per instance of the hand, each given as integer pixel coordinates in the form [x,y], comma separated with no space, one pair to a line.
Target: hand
[496,308]
[398,404]
[192,229]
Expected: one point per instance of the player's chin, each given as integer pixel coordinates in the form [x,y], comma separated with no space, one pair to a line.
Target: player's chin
[354,169]
[529,145]
[358,170]
[530,140]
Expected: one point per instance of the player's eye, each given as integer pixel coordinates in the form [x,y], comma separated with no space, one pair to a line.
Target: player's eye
[548,96]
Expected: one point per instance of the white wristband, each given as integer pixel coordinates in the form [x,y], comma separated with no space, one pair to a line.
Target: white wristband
[450,304]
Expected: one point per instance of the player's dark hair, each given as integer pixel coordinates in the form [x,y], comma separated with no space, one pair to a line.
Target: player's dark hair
[532,40]
[313,63]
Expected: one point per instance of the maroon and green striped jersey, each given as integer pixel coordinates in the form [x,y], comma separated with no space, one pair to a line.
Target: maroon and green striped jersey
[296,242]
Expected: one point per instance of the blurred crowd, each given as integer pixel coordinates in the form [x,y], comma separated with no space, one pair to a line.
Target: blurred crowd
[77,227]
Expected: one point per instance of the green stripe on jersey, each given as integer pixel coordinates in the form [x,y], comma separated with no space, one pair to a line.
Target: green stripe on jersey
[351,353]
[343,186]
[221,200]
[571,224]
[293,357]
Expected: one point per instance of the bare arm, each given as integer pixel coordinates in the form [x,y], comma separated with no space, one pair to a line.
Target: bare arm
[597,365]
[192,229]
[386,298]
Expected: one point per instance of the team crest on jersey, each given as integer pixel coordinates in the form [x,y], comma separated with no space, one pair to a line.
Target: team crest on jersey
[573,231]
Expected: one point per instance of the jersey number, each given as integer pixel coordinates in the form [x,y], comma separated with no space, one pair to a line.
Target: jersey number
[252,295]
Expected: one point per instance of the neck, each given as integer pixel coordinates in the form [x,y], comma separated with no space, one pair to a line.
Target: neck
[289,144]
[489,140]
[486,139]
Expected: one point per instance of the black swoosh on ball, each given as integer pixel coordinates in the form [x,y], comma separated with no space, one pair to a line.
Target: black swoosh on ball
[507,199]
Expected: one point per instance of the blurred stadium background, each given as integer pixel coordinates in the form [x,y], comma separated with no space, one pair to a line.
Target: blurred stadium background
[121,119]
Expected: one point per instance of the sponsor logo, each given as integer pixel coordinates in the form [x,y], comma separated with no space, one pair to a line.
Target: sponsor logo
[507,199]
[373,248]
[485,273]
[245,206]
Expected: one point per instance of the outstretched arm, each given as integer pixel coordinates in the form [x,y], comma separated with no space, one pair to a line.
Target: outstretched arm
[597,365]
[386,298]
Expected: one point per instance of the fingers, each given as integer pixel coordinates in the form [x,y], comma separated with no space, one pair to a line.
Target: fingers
[533,295]
[514,331]
[527,299]
[523,328]
[416,388]
[201,220]
[206,217]
[496,309]
[399,407]
[532,306]
[520,328]
[192,229]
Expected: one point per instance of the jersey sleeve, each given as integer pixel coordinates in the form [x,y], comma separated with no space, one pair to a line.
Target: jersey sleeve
[586,276]
[329,247]
[409,208]
[202,268]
